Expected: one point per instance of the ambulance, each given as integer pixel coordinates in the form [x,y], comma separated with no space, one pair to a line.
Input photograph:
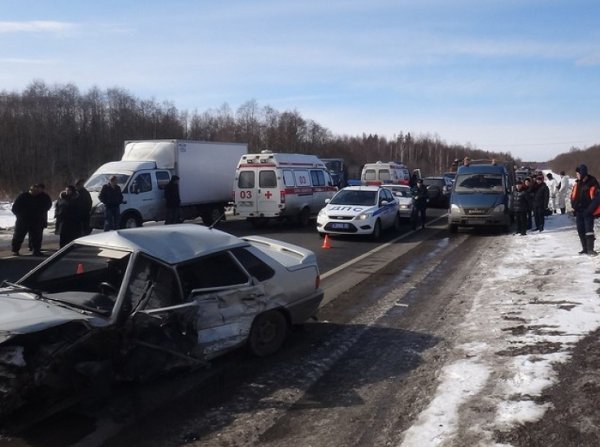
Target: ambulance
[385,172]
[276,186]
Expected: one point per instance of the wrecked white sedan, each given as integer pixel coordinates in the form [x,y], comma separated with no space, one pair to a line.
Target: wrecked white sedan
[131,304]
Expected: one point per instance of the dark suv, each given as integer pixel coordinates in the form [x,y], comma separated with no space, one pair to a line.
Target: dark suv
[438,191]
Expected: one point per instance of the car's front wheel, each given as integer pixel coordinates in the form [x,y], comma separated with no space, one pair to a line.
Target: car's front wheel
[376,234]
[268,333]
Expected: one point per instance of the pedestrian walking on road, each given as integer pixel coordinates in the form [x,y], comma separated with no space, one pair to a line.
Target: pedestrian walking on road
[112,197]
[68,216]
[173,201]
[585,200]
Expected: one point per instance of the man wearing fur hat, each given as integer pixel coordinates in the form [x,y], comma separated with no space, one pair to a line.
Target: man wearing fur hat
[585,200]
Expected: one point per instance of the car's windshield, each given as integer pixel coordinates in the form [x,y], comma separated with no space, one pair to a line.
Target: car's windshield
[355,197]
[97,181]
[480,182]
[82,276]
[334,165]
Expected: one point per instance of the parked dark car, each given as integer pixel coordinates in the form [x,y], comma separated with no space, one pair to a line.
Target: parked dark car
[438,190]
[132,304]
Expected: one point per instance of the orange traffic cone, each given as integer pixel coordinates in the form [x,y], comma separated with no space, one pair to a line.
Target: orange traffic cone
[79,269]
[326,242]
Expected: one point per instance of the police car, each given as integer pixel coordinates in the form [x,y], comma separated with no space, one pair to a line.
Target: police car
[359,210]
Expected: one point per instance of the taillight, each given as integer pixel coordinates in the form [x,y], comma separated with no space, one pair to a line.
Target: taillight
[317,281]
[282,196]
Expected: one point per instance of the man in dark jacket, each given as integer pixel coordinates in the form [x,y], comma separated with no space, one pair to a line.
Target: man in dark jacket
[541,198]
[585,200]
[84,203]
[172,201]
[521,205]
[68,216]
[23,209]
[41,205]
[420,196]
[112,197]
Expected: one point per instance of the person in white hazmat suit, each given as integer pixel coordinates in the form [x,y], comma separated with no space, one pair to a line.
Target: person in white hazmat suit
[563,191]
[552,186]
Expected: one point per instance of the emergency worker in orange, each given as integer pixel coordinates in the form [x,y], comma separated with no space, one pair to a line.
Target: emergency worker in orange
[585,200]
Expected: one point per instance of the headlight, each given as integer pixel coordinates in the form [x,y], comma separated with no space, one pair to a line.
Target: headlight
[499,209]
[454,209]
[322,213]
[363,216]
[404,207]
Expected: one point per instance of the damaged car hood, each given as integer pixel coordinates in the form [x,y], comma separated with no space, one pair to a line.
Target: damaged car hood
[22,313]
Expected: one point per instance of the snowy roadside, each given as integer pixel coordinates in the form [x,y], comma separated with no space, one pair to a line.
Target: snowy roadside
[533,299]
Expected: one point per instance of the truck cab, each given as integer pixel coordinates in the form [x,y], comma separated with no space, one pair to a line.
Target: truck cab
[142,185]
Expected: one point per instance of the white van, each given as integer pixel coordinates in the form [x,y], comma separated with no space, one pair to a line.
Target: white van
[281,186]
[385,172]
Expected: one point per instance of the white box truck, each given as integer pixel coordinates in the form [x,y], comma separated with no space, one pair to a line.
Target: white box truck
[206,173]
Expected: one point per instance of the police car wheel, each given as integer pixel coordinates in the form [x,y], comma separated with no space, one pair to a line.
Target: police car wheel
[376,234]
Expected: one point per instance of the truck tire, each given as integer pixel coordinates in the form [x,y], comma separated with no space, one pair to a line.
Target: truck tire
[130,220]
[212,215]
[303,218]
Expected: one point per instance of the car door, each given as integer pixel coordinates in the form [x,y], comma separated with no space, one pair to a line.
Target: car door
[227,299]
[144,193]
[246,192]
[389,213]
[155,322]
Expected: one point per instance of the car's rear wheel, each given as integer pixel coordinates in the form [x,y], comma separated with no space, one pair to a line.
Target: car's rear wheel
[452,228]
[268,333]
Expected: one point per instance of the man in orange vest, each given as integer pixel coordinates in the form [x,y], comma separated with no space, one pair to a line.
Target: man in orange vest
[585,200]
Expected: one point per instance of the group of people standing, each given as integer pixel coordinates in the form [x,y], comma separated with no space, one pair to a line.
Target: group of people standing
[72,213]
[536,197]
[530,204]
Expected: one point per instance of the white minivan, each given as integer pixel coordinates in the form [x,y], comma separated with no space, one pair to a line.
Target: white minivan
[276,186]
[380,173]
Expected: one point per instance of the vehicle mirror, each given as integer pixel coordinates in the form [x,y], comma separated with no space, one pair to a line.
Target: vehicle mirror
[384,202]
[327,201]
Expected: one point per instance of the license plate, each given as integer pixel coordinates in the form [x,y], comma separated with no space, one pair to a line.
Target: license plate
[339,226]
[476,221]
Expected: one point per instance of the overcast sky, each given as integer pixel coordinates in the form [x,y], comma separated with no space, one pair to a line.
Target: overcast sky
[503,75]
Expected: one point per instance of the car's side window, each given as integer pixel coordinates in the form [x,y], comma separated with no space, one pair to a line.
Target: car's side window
[253,264]
[152,286]
[218,270]
[142,183]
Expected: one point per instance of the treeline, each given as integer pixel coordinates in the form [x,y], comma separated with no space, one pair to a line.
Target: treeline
[55,134]
[570,160]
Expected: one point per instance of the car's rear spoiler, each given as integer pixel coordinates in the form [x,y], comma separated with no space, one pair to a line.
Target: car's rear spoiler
[301,256]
